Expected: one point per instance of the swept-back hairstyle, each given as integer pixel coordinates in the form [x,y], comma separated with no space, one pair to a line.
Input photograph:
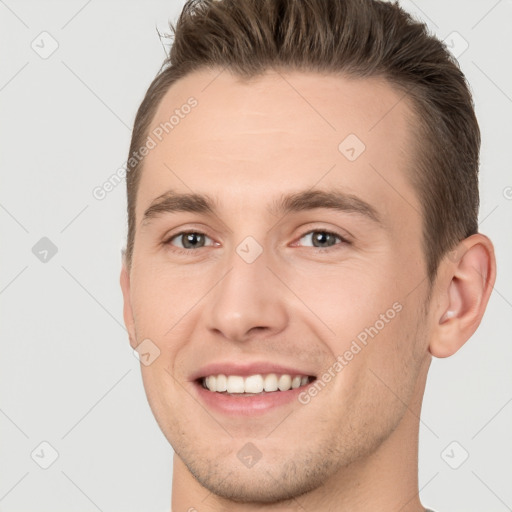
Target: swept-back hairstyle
[356,38]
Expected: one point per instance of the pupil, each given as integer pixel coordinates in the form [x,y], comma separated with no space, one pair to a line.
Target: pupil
[323,238]
[192,240]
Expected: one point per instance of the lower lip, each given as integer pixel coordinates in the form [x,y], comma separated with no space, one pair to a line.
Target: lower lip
[248,405]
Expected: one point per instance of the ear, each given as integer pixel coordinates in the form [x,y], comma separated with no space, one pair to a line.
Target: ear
[466,279]
[127,307]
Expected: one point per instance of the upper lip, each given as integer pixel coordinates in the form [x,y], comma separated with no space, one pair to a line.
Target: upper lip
[246,369]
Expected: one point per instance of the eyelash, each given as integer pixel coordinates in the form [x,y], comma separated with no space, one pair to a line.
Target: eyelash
[180,250]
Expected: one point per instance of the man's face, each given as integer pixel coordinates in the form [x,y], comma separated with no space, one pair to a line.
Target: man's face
[265,290]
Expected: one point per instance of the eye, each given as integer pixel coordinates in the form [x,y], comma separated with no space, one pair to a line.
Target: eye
[321,239]
[185,241]
[189,240]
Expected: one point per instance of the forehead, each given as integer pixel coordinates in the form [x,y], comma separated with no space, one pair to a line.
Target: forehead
[246,141]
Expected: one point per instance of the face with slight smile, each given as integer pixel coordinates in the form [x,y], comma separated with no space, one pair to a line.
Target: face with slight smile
[275,277]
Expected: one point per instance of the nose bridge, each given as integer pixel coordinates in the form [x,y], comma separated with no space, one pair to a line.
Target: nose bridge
[246,297]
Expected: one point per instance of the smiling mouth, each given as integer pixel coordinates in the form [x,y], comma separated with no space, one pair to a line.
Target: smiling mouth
[258,384]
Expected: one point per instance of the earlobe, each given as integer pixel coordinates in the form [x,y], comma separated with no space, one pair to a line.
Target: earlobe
[127,306]
[467,276]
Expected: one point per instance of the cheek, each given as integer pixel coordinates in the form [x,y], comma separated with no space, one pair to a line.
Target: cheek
[347,299]
[394,358]
[163,398]
[374,331]
[382,378]
[161,299]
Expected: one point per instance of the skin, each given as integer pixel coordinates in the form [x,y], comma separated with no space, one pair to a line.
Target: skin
[354,445]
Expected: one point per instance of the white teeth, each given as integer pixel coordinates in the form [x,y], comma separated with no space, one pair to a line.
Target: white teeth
[235,384]
[254,383]
[222,383]
[271,382]
[285,383]
[296,382]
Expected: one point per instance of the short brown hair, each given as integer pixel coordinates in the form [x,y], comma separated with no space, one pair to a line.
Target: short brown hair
[359,38]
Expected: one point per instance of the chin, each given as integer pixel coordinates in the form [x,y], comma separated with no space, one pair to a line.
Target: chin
[272,481]
[254,487]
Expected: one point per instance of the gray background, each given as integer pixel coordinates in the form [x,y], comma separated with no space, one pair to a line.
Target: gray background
[68,375]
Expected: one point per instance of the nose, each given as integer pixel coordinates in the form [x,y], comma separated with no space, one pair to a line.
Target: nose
[247,301]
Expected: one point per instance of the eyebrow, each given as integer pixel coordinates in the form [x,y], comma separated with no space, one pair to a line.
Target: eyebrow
[172,201]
